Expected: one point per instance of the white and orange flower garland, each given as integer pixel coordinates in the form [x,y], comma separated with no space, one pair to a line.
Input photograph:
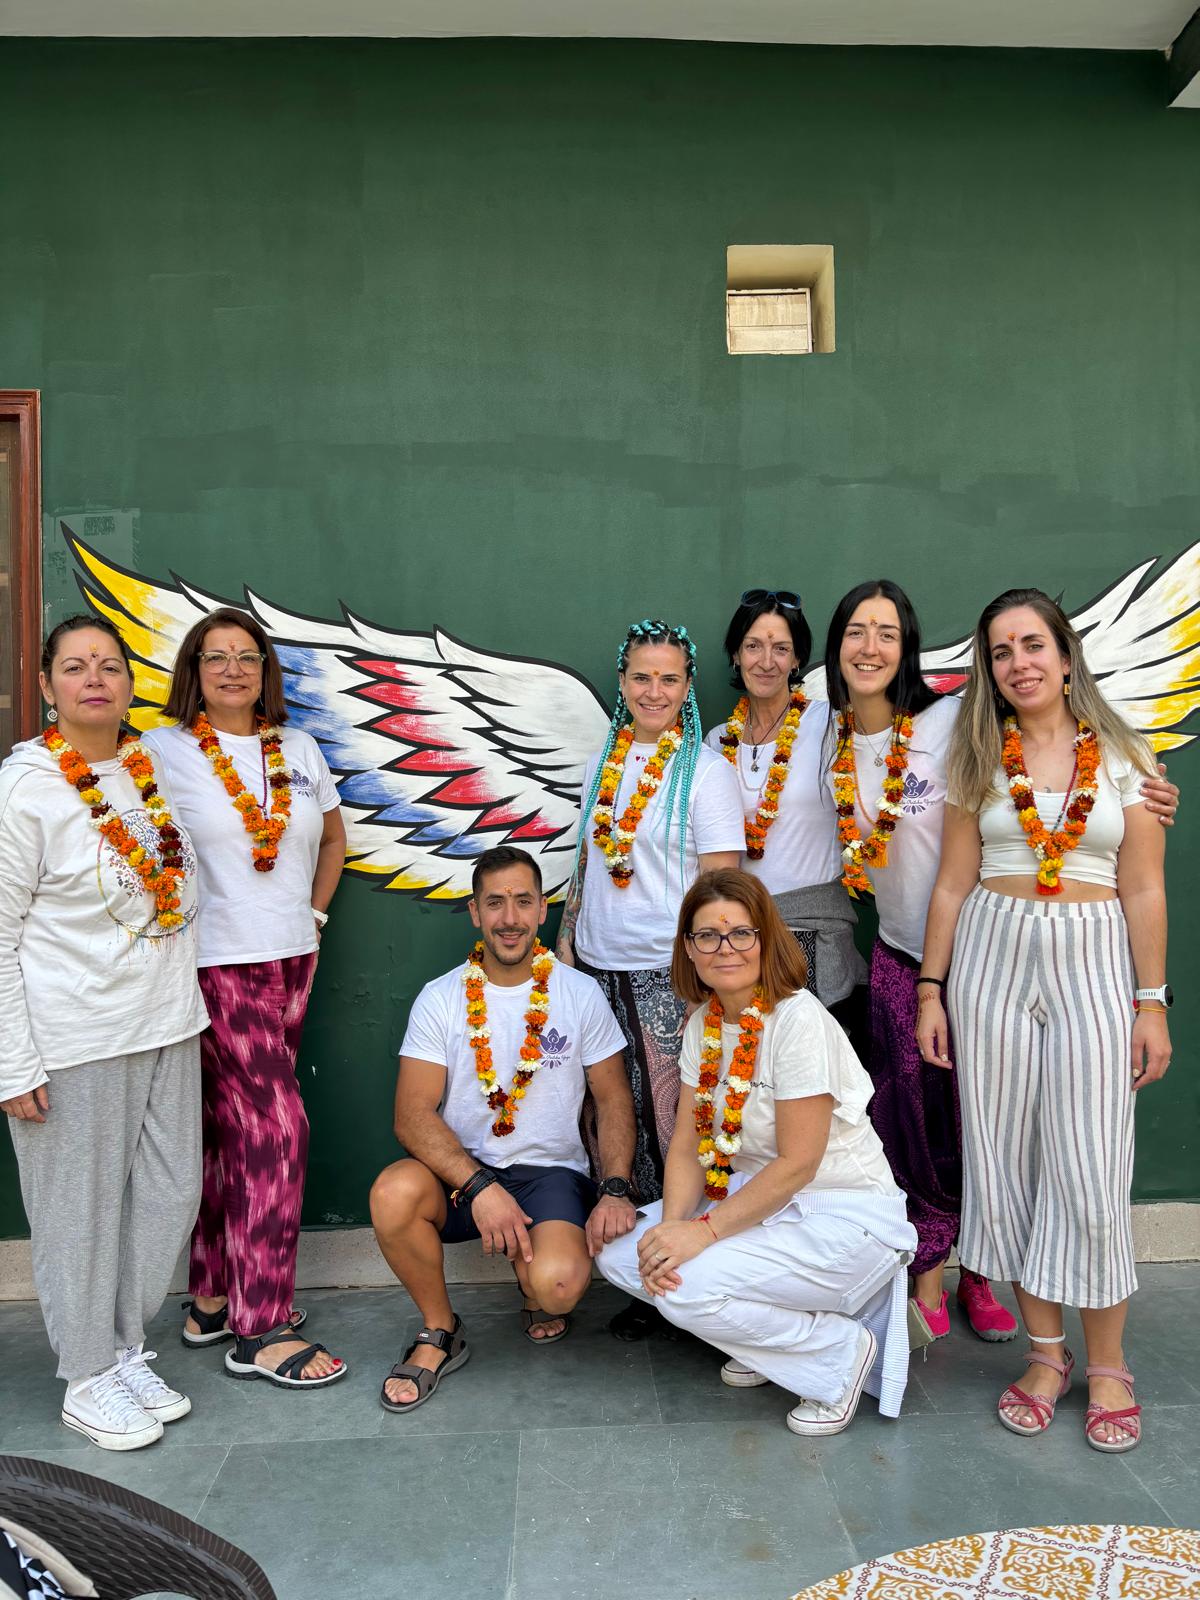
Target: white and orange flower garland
[614,838]
[161,878]
[265,831]
[716,1150]
[504,1101]
[871,851]
[1050,848]
[759,824]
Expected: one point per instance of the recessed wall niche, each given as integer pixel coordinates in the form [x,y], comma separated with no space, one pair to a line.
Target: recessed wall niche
[779,299]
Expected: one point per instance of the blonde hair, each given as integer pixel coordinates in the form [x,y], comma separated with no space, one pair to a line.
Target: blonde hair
[978,736]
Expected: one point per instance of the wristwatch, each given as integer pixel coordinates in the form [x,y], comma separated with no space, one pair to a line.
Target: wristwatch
[1162,995]
[618,1188]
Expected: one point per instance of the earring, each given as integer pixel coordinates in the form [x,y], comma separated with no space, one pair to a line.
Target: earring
[1067,688]
[52,714]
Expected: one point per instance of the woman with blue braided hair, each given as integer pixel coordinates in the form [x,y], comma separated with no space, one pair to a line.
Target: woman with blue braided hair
[659,809]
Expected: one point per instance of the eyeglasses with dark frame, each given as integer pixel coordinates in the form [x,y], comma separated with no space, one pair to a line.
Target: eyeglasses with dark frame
[248,660]
[783,597]
[709,940]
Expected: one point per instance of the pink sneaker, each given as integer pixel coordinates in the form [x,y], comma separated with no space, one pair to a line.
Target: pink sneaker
[924,1325]
[988,1318]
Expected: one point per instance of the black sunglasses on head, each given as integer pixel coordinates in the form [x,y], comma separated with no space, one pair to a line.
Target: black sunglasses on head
[783,597]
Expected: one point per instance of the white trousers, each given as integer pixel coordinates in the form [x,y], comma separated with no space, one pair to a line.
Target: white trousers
[780,1297]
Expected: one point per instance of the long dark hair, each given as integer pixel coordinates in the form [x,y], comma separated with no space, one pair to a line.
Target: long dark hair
[183,702]
[908,691]
[747,615]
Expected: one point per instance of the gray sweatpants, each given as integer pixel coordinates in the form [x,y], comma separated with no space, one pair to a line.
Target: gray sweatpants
[111,1185]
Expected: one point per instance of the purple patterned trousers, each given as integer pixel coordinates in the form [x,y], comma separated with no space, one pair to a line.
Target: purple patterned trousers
[255,1139]
[915,1109]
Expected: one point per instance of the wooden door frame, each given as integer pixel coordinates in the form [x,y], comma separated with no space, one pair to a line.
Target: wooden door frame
[25,406]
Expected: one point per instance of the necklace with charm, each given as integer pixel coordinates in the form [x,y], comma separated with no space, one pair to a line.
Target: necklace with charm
[754,748]
[878,753]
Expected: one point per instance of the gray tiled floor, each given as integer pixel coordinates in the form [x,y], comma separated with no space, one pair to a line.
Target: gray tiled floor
[600,1469]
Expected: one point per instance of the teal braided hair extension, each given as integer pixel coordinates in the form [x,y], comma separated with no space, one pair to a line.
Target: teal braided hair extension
[653,630]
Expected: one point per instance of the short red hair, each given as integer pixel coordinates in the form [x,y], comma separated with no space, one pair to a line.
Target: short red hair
[784,969]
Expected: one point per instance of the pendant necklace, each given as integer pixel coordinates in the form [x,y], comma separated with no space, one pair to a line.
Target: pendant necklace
[755,747]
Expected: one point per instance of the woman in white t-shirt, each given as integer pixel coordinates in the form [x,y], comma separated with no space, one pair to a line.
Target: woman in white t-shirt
[775,742]
[100,1022]
[659,808]
[781,1237]
[262,809]
[1051,897]
[886,768]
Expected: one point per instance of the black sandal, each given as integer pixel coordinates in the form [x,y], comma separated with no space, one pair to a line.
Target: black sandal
[638,1321]
[240,1362]
[214,1325]
[534,1318]
[453,1345]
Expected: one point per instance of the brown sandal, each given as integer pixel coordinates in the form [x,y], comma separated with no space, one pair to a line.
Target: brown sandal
[453,1346]
[535,1318]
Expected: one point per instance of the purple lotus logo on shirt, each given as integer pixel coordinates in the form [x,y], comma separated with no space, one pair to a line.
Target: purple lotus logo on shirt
[916,797]
[555,1047]
[301,783]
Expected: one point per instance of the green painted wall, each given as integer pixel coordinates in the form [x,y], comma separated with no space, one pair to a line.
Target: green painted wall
[436,329]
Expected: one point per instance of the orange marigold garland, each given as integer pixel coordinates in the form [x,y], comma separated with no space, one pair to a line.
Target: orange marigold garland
[160,877]
[858,852]
[1050,848]
[758,825]
[614,838]
[715,1150]
[265,831]
[504,1101]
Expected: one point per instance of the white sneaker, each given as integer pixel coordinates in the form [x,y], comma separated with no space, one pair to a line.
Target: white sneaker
[156,1398]
[813,1416]
[739,1376]
[103,1409]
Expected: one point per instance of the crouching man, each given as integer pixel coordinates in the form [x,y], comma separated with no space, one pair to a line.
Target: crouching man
[493,1069]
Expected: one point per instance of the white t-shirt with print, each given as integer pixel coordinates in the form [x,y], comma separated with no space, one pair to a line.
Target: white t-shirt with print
[247,915]
[904,887]
[802,1052]
[87,972]
[580,1031]
[633,929]
[802,848]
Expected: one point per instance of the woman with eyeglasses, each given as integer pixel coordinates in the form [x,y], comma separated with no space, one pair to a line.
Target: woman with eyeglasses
[781,1237]
[775,742]
[658,809]
[887,770]
[261,807]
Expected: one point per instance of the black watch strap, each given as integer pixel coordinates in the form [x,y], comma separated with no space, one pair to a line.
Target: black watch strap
[617,1188]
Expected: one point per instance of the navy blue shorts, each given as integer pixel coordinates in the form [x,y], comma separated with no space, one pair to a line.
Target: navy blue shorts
[547,1194]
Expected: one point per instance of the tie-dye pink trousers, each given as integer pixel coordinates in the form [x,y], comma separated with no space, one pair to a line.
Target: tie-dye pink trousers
[255,1139]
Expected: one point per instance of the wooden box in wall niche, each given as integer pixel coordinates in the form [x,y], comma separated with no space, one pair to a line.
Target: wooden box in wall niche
[768,322]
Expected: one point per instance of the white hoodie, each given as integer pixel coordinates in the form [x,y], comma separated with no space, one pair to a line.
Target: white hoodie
[86,972]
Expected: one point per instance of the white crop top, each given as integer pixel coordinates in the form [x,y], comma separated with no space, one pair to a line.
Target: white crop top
[1007,852]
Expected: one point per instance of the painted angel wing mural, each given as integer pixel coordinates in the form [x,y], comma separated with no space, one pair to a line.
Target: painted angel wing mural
[441,751]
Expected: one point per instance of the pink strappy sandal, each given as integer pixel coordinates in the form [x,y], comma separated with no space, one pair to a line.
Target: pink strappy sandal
[1128,1419]
[1042,1405]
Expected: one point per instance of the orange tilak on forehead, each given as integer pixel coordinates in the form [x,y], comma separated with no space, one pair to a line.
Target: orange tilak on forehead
[1012,638]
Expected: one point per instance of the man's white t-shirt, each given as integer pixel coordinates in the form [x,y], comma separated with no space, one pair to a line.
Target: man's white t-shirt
[802,1052]
[633,929]
[802,848]
[904,888]
[580,1031]
[247,915]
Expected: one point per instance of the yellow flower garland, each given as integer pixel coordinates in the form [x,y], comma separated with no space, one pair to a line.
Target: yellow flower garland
[615,838]
[768,806]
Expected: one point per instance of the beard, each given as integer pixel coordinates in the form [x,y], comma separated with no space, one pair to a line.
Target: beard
[509,957]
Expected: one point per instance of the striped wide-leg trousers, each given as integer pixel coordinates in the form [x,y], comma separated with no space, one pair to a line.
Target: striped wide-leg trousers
[1040,1000]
